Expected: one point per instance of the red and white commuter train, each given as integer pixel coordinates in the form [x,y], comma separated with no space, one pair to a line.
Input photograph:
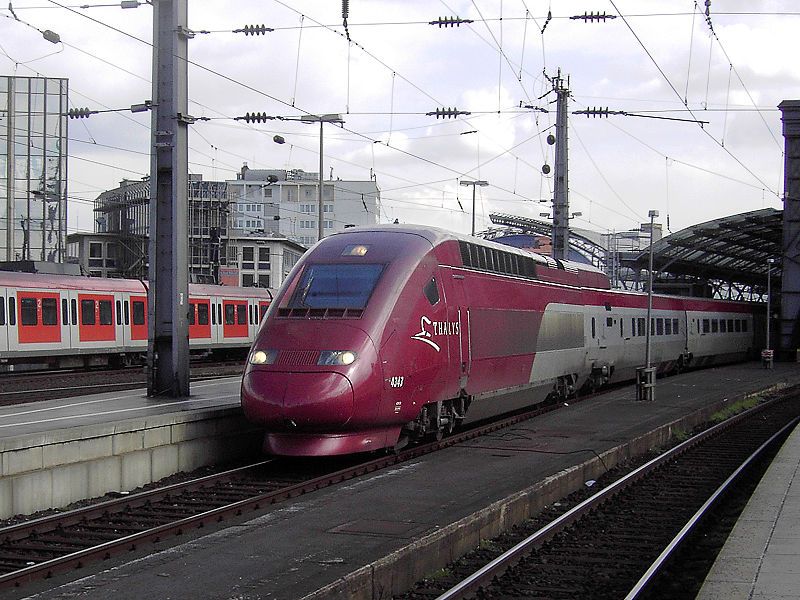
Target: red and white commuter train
[391,333]
[68,321]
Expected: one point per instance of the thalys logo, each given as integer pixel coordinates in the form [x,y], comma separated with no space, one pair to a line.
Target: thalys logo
[437,328]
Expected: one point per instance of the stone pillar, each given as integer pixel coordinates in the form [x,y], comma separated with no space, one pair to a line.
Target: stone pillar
[789,326]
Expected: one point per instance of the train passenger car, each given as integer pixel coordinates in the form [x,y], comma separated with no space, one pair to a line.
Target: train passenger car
[386,334]
[68,321]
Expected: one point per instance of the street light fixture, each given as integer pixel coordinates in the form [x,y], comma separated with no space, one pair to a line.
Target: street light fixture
[481,183]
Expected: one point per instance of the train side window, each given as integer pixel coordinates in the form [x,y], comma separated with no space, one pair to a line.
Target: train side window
[737,323]
[640,326]
[730,325]
[241,314]
[659,326]
[12,311]
[633,326]
[127,307]
[3,312]
[675,327]
[706,326]
[744,326]
[119,312]
[106,313]
[202,314]
[87,312]
[714,326]
[213,315]
[621,330]
[263,310]
[723,326]
[27,311]
[250,313]
[230,314]
[49,311]
[219,313]
[191,313]
[609,321]
[138,312]
[73,311]
[594,330]
[667,326]
[64,311]
[652,326]
[431,291]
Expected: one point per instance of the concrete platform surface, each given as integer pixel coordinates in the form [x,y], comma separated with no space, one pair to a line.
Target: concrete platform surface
[761,559]
[371,536]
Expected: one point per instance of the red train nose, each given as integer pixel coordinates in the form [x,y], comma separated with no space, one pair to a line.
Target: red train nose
[306,401]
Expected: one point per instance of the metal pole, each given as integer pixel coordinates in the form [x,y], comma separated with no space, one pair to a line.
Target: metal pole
[168,294]
[561,178]
[321,205]
[473,210]
[653,215]
[769,298]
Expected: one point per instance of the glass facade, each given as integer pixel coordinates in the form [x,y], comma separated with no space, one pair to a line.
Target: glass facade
[33,168]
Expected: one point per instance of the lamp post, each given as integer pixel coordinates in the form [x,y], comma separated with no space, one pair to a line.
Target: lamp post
[481,183]
[768,355]
[321,119]
[646,378]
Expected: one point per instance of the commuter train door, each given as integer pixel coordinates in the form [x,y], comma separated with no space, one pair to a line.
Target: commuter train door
[3,321]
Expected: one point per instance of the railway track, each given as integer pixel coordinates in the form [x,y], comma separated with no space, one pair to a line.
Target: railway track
[40,548]
[619,541]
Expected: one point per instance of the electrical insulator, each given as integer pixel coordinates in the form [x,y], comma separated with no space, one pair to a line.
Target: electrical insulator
[255,29]
[449,22]
[448,112]
[80,113]
[551,139]
[256,117]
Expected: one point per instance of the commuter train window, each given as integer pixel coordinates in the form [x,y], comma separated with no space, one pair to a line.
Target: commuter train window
[641,323]
[675,327]
[191,313]
[730,325]
[744,326]
[230,314]
[659,326]
[27,311]
[202,313]
[127,311]
[49,311]
[106,312]
[119,312]
[12,311]
[138,312]
[667,326]
[594,331]
[87,312]
[336,286]
[723,326]
[706,326]
[241,314]
[431,291]
[652,326]
[219,313]
[633,326]
[2,313]
[73,311]
[250,314]
[737,323]
[213,315]
[714,326]
[609,321]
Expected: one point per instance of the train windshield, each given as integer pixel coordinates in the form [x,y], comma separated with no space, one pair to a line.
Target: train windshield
[336,286]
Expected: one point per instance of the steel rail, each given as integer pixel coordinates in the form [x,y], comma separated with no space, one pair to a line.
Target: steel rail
[499,565]
[655,569]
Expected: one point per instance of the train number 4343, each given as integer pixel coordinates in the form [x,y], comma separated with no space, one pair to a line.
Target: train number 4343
[396,382]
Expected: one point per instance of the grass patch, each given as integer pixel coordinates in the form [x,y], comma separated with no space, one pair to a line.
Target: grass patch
[735,408]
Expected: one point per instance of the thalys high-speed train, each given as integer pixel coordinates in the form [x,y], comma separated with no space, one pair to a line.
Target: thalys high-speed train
[69,321]
[390,333]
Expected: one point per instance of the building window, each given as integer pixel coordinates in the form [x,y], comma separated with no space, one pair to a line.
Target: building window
[248,279]
[263,258]
[263,281]
[328,208]
[95,254]
[247,258]
[328,224]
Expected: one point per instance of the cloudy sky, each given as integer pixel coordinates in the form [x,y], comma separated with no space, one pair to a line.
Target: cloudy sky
[713,82]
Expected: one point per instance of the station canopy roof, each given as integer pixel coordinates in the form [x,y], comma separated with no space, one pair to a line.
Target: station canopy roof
[733,249]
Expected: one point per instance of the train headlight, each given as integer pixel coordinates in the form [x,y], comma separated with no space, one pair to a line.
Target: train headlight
[336,357]
[263,357]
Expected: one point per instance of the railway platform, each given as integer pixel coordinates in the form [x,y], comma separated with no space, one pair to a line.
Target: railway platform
[56,452]
[376,535]
[761,558]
